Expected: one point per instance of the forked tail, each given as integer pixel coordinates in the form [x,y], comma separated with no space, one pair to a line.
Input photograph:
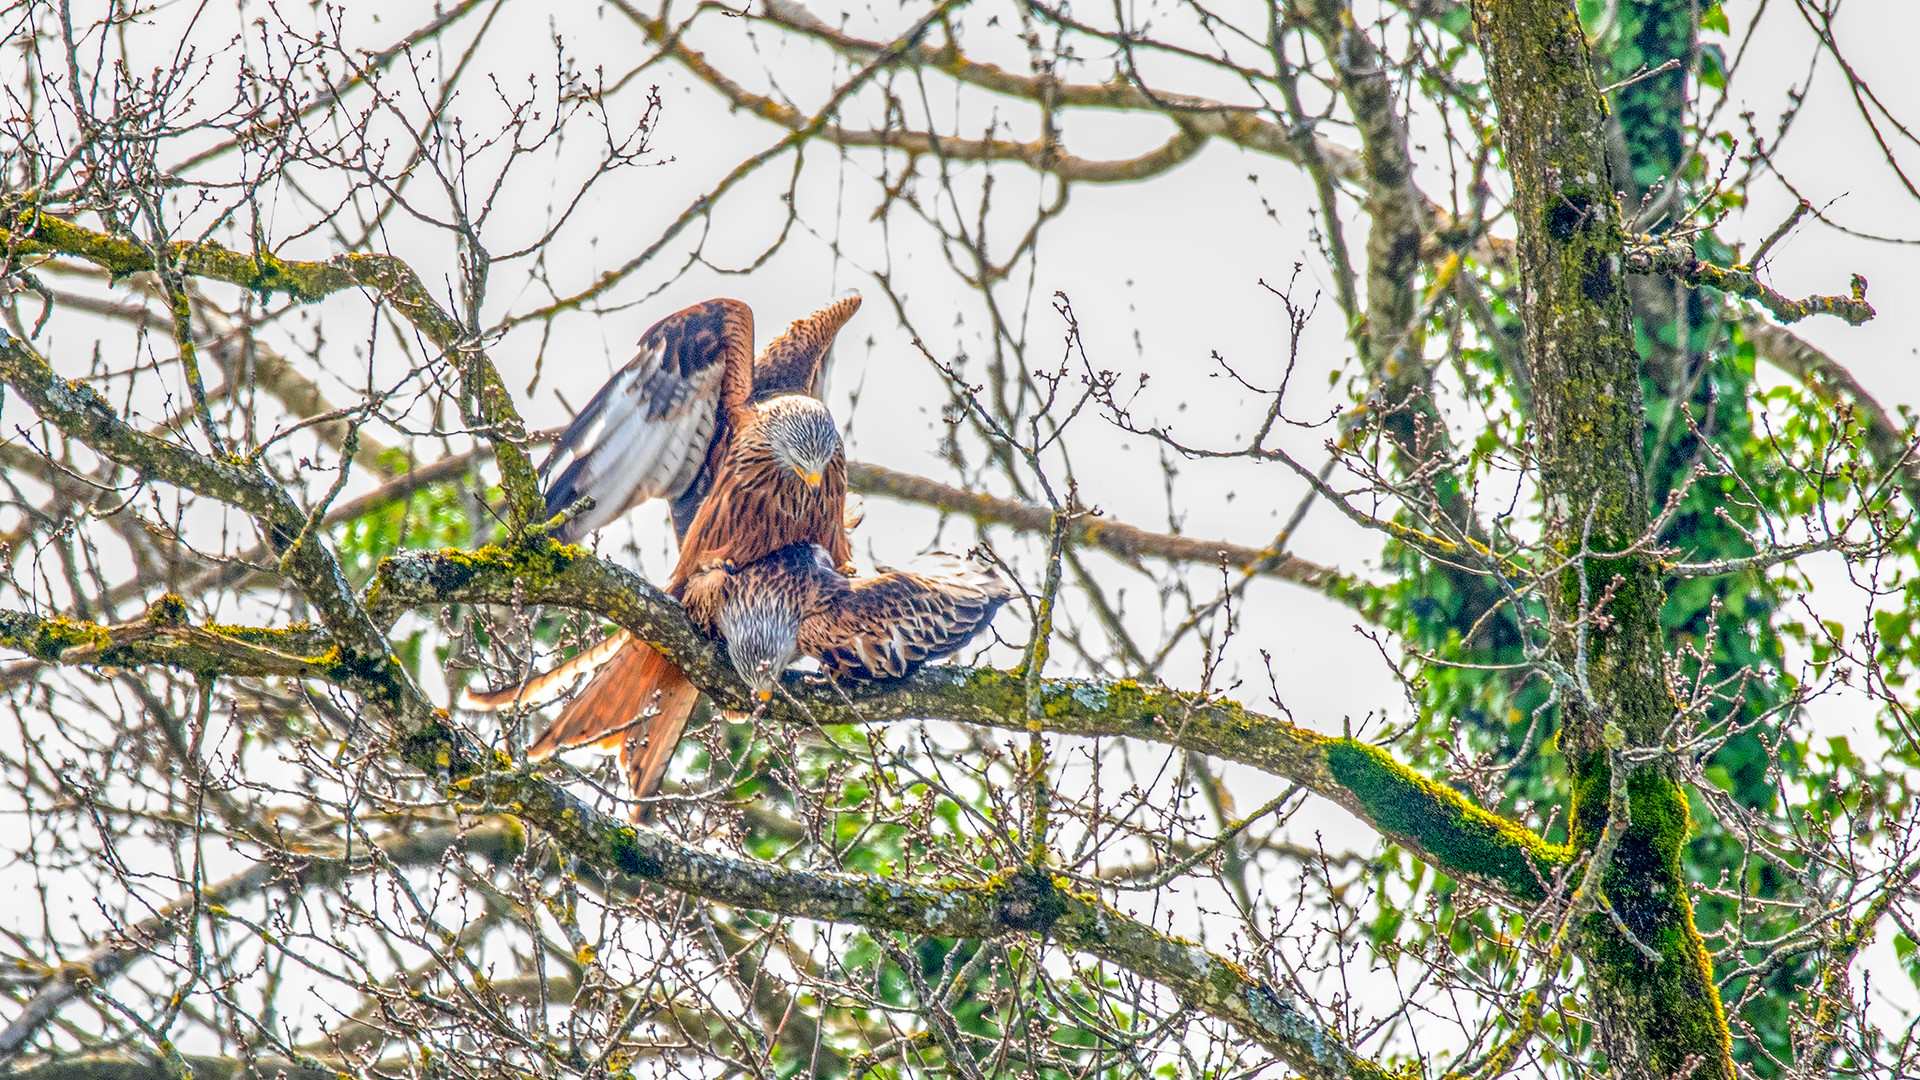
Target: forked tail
[637,701]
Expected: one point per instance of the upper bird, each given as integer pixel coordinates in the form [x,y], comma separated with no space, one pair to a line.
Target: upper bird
[660,428]
[750,458]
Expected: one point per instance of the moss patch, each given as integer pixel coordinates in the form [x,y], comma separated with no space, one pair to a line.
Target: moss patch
[623,849]
[1460,836]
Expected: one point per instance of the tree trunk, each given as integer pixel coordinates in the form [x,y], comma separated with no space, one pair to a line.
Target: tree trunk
[1654,1017]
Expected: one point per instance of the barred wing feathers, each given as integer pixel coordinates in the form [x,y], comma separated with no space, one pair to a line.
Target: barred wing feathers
[887,625]
[650,430]
[796,362]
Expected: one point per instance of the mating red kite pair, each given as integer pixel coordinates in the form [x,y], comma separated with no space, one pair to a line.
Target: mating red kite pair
[753,465]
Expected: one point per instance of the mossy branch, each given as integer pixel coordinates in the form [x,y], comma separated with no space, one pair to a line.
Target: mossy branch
[1431,820]
[1675,258]
[1026,901]
[162,639]
[482,780]
[26,230]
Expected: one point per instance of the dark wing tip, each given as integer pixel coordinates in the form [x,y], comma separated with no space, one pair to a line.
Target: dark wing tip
[888,625]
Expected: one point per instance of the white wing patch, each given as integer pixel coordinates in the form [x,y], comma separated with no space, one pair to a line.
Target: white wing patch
[644,436]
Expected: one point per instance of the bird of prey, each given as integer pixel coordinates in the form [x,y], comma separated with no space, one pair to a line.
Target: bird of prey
[797,602]
[752,461]
[661,426]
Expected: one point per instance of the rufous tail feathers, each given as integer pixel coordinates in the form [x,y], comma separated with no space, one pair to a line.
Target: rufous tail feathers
[668,700]
[608,711]
[548,686]
[636,701]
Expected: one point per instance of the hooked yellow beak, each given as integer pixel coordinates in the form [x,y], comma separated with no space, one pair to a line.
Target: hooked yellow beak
[812,478]
[765,695]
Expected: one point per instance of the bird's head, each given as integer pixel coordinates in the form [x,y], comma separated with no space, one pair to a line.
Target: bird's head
[762,630]
[801,434]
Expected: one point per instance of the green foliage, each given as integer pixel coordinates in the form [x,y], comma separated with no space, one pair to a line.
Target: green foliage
[1769,454]
[432,518]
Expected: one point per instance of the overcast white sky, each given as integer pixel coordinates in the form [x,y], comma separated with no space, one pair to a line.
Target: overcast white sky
[1161,275]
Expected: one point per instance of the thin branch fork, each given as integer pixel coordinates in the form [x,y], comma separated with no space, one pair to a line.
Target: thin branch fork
[1887,439]
[25,229]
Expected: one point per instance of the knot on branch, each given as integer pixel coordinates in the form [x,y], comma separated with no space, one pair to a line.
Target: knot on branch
[169,610]
[1029,899]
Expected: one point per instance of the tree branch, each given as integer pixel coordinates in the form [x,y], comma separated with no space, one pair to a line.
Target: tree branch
[1675,259]
[162,638]
[24,229]
[1124,542]
[1024,901]
[1427,818]
[1887,440]
[316,869]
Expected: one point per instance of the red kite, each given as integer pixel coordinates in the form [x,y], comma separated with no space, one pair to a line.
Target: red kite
[752,462]
[797,602]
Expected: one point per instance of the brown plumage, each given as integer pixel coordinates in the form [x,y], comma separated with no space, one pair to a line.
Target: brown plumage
[772,474]
[796,602]
[796,362]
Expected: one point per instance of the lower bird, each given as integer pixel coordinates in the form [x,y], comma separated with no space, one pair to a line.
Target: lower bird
[796,602]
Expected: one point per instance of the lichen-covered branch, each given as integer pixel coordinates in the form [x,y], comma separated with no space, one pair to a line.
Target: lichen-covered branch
[83,414]
[1676,259]
[1033,902]
[1025,901]
[1427,818]
[165,638]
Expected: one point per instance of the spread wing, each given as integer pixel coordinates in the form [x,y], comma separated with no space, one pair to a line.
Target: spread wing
[796,362]
[887,625]
[648,432]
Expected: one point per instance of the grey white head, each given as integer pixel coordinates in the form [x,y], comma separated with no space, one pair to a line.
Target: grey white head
[801,434]
[762,631]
